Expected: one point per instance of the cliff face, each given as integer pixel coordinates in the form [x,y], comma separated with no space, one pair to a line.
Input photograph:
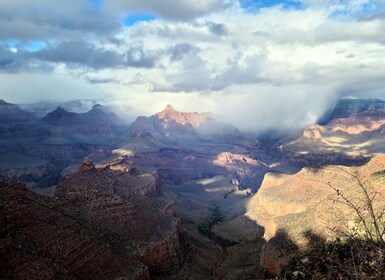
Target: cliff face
[290,206]
[103,223]
[121,205]
[39,241]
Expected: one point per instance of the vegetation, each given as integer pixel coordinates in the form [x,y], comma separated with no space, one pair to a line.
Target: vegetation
[215,218]
[357,252]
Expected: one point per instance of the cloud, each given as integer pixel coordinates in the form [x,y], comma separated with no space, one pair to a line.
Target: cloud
[75,54]
[47,19]
[170,9]
[217,28]
[179,51]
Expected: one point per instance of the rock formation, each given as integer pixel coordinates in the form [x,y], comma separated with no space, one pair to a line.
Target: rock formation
[103,223]
[288,206]
[39,241]
[354,130]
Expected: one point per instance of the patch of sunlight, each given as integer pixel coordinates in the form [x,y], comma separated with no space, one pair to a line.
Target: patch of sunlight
[209,181]
[336,139]
[123,152]
[218,189]
[275,165]
[242,193]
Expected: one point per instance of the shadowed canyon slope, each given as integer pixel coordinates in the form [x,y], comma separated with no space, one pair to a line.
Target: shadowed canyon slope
[36,151]
[103,223]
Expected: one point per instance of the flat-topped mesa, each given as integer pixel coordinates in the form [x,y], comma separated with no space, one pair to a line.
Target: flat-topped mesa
[193,118]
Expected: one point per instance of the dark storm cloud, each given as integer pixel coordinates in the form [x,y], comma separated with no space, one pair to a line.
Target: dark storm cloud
[101,81]
[85,54]
[171,9]
[9,60]
[182,49]
[47,19]
[217,28]
[75,53]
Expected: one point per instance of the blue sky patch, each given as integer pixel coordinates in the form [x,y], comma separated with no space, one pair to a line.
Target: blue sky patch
[135,18]
[255,5]
[97,4]
[34,46]
[13,43]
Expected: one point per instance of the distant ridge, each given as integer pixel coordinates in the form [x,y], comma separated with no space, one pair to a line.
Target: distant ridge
[350,107]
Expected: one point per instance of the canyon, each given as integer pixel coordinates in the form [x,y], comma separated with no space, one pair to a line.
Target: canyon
[176,195]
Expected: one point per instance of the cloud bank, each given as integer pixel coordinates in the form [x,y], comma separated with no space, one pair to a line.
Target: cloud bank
[255,64]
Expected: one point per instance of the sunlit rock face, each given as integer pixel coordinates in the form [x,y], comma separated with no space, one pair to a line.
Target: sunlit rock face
[169,123]
[291,207]
[352,131]
[192,118]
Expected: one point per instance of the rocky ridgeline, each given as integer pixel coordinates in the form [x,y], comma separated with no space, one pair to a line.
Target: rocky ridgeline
[350,107]
[50,144]
[98,226]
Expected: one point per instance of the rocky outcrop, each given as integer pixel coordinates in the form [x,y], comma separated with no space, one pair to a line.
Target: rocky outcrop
[194,119]
[289,206]
[120,205]
[168,123]
[104,222]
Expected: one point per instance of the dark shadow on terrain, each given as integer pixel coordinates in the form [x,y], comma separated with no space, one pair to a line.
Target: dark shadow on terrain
[342,258]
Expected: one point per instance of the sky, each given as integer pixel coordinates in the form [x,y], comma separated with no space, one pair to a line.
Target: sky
[256,64]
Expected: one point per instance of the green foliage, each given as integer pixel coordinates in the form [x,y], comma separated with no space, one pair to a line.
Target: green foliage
[215,218]
[343,258]
[380,175]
